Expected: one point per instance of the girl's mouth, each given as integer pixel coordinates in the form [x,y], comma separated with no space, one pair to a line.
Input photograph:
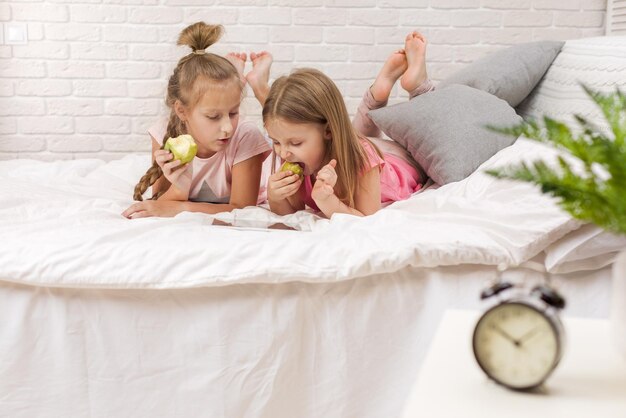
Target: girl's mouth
[305,169]
[301,164]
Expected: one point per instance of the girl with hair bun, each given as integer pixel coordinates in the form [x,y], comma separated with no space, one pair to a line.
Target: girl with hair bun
[203,94]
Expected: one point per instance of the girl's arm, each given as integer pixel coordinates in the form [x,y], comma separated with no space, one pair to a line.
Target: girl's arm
[244,189]
[281,207]
[246,181]
[173,193]
[366,199]
[244,192]
[297,201]
[290,204]
[161,184]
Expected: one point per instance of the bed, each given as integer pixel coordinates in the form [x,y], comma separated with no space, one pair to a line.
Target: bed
[251,314]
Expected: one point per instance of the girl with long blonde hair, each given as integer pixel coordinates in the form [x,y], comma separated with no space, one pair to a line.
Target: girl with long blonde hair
[203,94]
[344,171]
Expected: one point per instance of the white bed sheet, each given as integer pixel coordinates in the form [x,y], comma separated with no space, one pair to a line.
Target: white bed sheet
[61,226]
[346,349]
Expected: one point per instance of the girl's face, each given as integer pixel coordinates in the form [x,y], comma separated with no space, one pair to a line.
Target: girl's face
[303,143]
[213,120]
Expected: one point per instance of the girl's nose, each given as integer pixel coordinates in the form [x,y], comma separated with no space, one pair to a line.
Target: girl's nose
[284,154]
[227,127]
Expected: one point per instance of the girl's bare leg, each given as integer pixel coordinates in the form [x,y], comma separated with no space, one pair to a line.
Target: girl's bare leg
[415,79]
[378,94]
[238,59]
[259,76]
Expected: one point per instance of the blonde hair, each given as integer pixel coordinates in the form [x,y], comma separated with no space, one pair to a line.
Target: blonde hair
[309,96]
[192,77]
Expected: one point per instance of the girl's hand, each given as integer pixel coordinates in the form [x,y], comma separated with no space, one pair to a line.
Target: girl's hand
[159,208]
[325,182]
[321,191]
[328,173]
[283,184]
[179,176]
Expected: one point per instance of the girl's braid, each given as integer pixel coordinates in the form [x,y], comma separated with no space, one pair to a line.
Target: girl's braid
[174,126]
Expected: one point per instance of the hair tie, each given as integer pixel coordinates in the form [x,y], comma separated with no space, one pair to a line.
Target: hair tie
[199,51]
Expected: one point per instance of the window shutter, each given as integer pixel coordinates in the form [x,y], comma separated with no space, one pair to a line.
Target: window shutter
[616,17]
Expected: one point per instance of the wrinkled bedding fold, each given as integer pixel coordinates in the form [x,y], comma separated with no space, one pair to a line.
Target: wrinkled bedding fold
[61,225]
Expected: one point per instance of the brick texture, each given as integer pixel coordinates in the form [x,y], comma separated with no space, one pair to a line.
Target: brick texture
[92,77]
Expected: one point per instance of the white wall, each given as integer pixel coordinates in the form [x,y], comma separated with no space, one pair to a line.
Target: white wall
[92,76]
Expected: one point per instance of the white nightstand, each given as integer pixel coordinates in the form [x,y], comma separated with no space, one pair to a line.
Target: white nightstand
[589,382]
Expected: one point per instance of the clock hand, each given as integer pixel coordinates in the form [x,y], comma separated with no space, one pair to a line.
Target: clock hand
[505,335]
[529,334]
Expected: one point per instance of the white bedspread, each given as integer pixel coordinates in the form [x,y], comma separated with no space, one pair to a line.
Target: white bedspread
[60,225]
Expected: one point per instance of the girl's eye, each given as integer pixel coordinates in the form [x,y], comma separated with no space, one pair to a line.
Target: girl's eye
[296,144]
[276,144]
[233,114]
[213,117]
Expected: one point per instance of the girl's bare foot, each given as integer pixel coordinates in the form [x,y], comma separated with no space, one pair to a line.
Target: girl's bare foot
[415,49]
[259,76]
[393,68]
[238,59]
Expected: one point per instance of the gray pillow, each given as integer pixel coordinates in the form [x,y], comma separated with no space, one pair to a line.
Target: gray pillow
[445,132]
[511,73]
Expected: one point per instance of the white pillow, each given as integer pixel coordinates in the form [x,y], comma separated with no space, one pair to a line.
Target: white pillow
[599,63]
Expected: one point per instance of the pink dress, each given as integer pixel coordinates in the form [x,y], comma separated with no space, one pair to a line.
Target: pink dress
[398,179]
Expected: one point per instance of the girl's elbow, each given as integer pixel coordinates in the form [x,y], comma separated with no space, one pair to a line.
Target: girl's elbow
[236,205]
[370,211]
[244,203]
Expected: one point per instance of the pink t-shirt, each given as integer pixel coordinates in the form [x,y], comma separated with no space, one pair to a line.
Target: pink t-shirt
[398,178]
[212,177]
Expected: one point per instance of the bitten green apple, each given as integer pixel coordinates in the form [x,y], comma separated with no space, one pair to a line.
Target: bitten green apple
[293,167]
[182,147]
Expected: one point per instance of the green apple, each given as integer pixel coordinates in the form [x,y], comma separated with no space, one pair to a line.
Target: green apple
[182,147]
[293,167]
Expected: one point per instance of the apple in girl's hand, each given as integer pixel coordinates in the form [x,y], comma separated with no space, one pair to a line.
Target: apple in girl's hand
[182,147]
[293,167]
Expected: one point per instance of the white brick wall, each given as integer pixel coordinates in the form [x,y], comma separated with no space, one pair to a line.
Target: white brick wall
[92,76]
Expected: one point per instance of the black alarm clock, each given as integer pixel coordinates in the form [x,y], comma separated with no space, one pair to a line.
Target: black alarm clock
[519,342]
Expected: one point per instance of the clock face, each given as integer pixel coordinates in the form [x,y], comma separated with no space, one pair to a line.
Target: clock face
[516,345]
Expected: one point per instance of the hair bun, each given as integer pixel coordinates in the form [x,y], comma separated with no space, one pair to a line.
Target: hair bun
[200,36]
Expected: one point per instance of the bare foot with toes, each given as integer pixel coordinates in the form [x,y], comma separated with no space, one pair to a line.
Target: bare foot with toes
[393,68]
[238,59]
[415,50]
[259,76]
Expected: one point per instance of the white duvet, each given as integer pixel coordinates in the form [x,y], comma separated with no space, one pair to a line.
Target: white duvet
[61,225]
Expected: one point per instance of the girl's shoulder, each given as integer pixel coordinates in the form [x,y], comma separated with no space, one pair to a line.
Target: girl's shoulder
[248,135]
[373,158]
[246,142]
[247,129]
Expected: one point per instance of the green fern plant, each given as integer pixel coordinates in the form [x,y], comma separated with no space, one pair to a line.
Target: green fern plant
[597,193]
